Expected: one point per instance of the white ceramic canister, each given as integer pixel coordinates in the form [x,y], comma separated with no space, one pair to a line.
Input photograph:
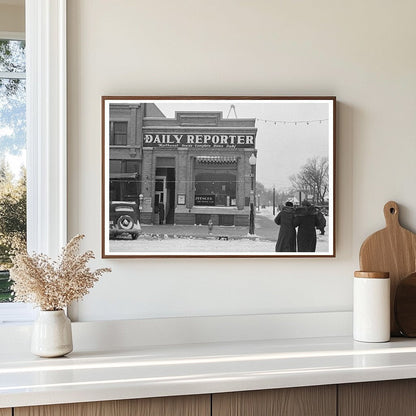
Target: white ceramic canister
[371,310]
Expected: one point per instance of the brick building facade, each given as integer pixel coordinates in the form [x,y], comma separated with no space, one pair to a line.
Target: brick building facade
[184,170]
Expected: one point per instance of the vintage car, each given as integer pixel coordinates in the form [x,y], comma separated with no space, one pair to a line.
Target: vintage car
[124,219]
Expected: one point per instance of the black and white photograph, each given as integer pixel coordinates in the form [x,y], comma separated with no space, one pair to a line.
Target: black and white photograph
[218,176]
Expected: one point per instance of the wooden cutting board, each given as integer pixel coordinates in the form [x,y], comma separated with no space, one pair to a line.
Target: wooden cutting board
[392,250]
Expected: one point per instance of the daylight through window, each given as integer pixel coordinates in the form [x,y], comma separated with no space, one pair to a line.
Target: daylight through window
[12,155]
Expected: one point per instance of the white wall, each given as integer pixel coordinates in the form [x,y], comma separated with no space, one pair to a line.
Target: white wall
[361,51]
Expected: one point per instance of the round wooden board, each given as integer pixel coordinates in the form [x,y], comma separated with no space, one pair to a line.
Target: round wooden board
[392,250]
[405,306]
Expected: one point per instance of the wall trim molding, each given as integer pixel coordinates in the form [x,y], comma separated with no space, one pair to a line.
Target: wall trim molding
[46,125]
[46,134]
[125,334]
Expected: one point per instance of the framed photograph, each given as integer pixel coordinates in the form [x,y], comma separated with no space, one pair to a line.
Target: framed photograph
[218,176]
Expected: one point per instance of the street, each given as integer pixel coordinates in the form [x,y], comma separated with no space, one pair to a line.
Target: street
[196,238]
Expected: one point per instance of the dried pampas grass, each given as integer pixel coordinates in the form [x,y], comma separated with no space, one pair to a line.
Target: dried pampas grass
[53,285]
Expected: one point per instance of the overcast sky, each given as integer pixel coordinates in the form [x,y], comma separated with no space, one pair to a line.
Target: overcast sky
[282,148]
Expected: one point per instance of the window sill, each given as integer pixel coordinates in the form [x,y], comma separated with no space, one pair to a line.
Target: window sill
[16,313]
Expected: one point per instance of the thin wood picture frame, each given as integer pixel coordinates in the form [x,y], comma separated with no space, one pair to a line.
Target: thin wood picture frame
[202,176]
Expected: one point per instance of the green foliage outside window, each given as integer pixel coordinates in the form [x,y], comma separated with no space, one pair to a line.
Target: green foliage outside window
[6,294]
[12,223]
[12,145]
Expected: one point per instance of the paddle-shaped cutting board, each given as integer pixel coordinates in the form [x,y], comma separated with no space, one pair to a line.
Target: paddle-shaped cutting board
[393,250]
[405,306]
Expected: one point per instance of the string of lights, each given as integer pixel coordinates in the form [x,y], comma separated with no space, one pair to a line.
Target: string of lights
[240,182]
[293,122]
[197,181]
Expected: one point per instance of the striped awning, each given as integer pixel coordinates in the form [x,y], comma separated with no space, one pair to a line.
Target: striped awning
[219,160]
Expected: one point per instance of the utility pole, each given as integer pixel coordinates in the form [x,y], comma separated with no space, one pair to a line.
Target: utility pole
[274,200]
[252,161]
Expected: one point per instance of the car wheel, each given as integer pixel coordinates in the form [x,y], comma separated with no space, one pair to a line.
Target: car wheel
[125,222]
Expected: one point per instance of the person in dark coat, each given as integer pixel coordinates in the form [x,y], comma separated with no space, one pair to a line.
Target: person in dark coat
[306,219]
[322,222]
[286,242]
[161,213]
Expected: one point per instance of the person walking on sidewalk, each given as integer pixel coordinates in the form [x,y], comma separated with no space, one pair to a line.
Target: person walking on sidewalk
[306,219]
[286,241]
[210,225]
[322,221]
[161,213]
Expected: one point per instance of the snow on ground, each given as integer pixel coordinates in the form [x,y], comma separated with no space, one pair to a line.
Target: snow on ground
[192,239]
[268,212]
[198,245]
[194,245]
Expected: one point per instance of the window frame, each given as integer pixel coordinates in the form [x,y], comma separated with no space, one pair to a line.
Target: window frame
[46,137]
[115,136]
[17,312]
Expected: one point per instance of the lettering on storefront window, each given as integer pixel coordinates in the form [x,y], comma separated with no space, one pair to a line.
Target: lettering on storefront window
[205,200]
[199,140]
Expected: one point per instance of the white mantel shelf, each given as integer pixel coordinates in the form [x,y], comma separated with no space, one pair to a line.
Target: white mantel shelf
[151,371]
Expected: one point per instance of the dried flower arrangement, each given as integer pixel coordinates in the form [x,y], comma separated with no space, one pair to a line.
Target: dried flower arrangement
[53,285]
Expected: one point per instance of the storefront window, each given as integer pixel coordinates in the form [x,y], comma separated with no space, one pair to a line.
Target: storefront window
[215,186]
[124,190]
[124,180]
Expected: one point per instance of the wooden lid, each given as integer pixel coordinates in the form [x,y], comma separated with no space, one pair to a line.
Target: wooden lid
[372,275]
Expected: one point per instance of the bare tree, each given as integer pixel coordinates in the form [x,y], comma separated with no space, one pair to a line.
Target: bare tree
[313,179]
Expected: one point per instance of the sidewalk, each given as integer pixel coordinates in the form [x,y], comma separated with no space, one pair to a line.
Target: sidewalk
[265,229]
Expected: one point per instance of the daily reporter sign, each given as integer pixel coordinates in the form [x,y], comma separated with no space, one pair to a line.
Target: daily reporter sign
[199,140]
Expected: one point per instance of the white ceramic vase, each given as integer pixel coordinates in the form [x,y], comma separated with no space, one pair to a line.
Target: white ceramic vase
[52,334]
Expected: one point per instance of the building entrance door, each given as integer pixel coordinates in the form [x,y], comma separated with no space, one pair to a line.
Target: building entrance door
[165,189]
[160,199]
